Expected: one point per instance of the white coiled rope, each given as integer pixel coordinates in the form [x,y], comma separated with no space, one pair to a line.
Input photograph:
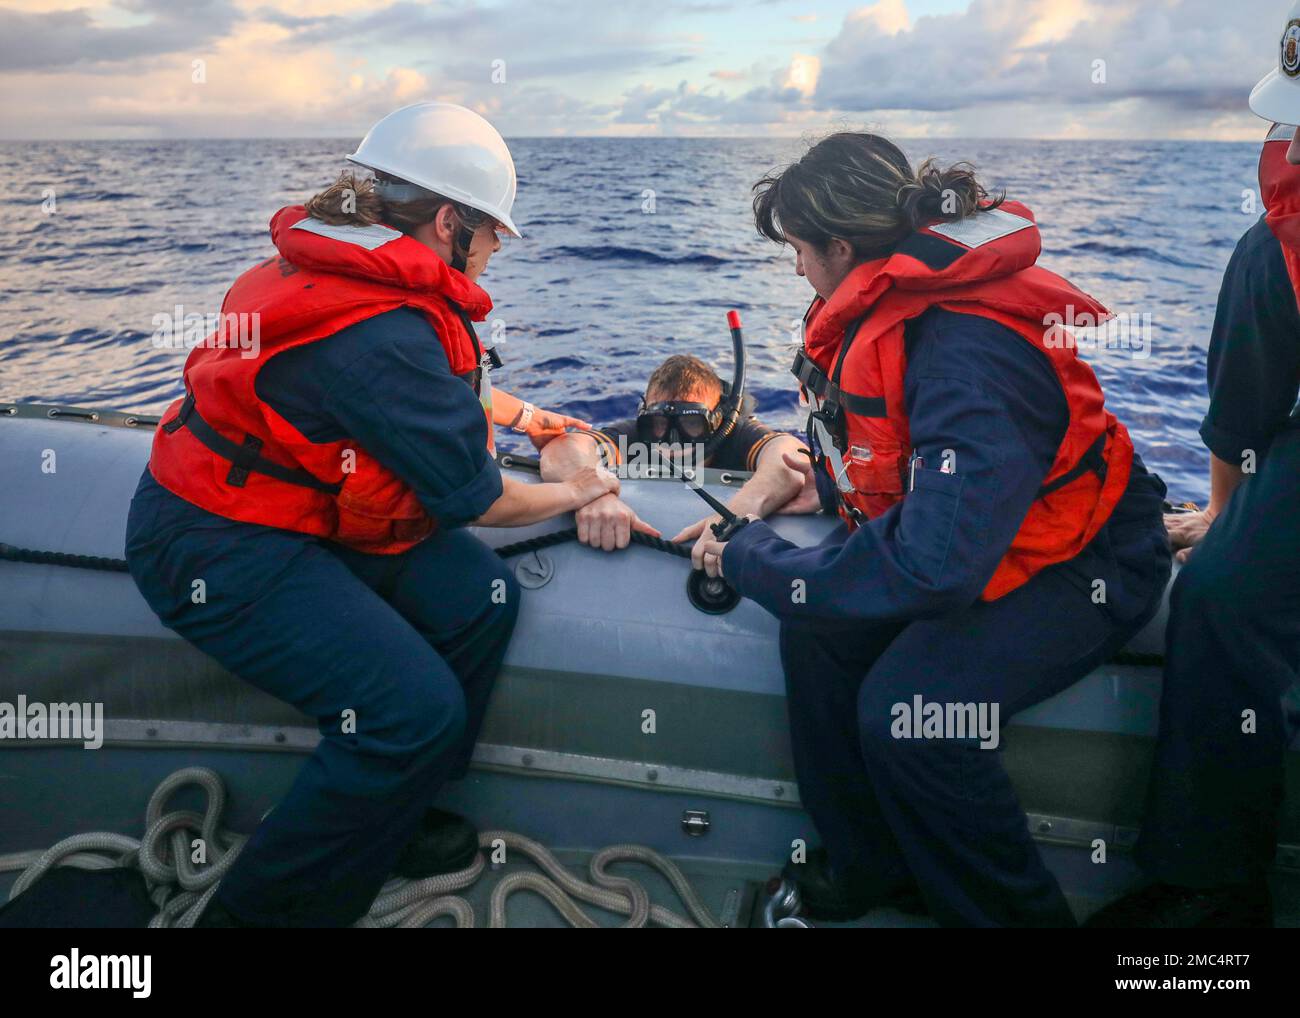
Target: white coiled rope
[182,891]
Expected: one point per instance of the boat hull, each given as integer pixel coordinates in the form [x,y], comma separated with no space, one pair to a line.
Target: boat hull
[565,755]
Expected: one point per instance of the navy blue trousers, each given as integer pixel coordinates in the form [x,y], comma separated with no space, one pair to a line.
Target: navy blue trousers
[1232,658]
[395,656]
[941,810]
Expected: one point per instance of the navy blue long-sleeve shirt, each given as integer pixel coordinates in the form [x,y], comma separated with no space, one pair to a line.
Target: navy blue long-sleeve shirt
[386,383]
[977,390]
[1253,364]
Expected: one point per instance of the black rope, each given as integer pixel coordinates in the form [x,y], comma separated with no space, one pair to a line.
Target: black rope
[9,553]
[561,536]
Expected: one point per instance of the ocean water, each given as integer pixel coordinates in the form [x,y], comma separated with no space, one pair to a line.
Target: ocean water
[633,249]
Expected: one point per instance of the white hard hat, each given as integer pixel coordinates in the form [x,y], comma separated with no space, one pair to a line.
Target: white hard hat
[448,149]
[1277,96]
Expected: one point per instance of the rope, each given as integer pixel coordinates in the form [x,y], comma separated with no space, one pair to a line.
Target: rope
[182,891]
[561,536]
[9,553]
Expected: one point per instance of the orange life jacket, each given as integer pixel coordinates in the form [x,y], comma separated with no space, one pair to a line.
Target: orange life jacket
[1279,189]
[223,449]
[853,362]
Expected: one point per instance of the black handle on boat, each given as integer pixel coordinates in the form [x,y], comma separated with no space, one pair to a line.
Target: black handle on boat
[724,529]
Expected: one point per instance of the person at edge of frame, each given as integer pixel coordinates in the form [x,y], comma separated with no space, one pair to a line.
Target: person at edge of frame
[1231,698]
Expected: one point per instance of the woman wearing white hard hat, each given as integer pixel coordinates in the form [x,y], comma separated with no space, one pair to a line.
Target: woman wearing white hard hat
[1232,655]
[302,519]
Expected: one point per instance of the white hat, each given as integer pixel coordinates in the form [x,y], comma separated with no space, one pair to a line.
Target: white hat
[447,149]
[1277,96]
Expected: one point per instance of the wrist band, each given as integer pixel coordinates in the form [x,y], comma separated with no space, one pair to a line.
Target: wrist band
[525,415]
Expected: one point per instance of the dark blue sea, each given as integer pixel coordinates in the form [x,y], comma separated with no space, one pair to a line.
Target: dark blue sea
[633,249]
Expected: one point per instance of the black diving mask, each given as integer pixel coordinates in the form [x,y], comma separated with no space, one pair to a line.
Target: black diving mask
[675,421]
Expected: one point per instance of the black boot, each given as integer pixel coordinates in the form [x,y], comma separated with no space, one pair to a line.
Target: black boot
[444,843]
[1166,907]
[832,899]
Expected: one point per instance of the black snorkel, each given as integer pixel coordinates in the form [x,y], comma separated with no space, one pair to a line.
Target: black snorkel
[730,406]
[715,595]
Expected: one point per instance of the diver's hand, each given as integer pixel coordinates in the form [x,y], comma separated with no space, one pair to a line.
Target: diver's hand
[608,522]
[807,500]
[586,484]
[546,425]
[1186,531]
[711,550]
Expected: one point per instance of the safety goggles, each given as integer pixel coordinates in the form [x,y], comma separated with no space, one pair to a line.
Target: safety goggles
[659,422]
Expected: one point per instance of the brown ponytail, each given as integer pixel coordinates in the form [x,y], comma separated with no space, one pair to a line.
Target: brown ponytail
[949,194]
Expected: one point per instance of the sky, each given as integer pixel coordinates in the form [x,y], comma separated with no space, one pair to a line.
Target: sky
[913,68]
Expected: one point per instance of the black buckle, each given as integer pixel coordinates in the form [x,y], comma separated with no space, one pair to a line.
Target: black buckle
[243,460]
[810,376]
[494,358]
[831,414]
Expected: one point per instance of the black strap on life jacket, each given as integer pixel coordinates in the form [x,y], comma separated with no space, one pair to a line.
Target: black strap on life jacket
[1094,459]
[475,375]
[831,396]
[832,401]
[828,390]
[244,459]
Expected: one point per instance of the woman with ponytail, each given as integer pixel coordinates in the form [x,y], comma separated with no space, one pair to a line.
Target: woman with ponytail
[1000,536]
[302,519]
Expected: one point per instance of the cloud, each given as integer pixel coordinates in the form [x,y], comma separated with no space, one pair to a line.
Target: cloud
[54,40]
[1194,55]
[120,68]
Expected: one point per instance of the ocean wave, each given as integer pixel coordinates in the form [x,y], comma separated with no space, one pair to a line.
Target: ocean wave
[1132,251]
[615,253]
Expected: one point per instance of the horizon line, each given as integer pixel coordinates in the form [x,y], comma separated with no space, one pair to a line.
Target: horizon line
[655,137]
